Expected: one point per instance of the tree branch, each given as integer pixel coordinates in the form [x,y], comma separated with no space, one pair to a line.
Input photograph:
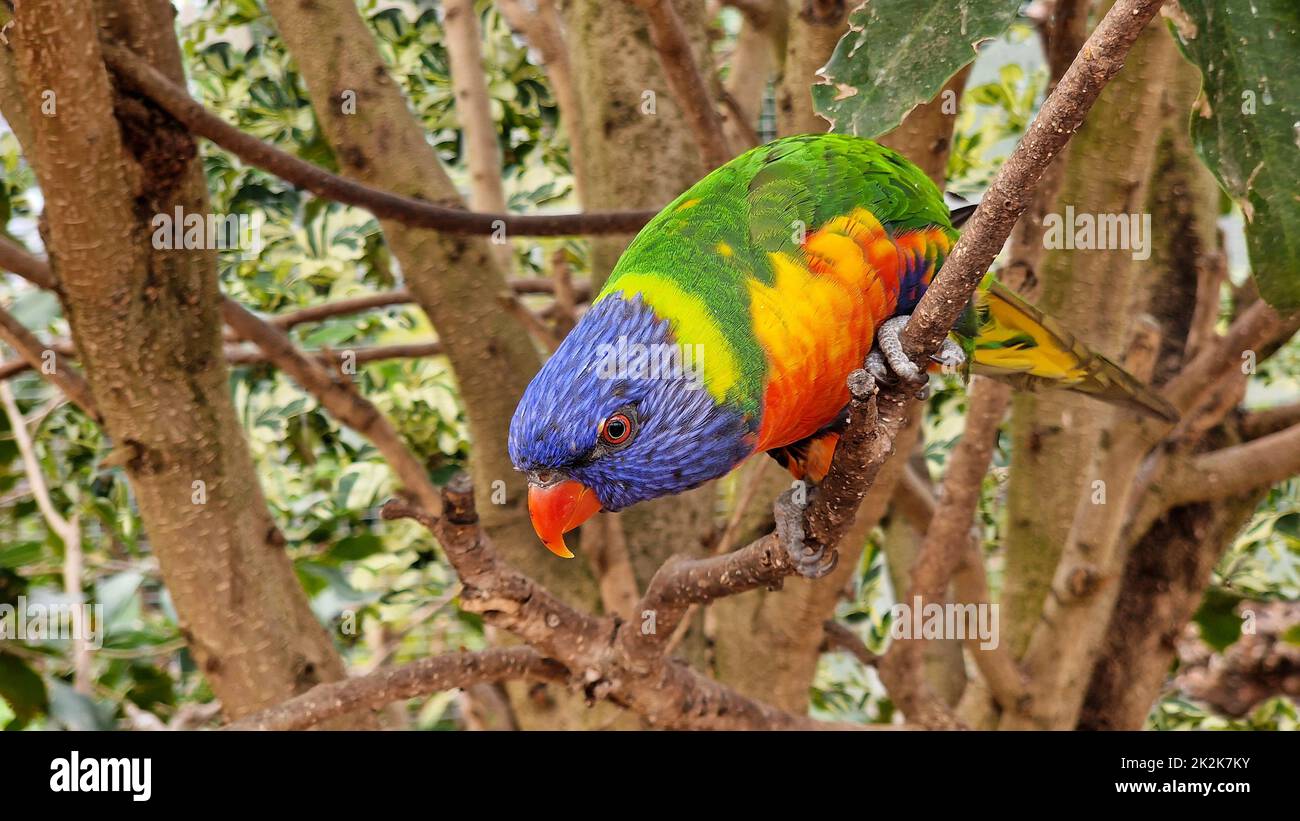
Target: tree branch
[473,105]
[176,101]
[26,265]
[242,355]
[68,531]
[665,692]
[1263,421]
[388,684]
[33,355]
[334,358]
[684,78]
[1236,470]
[337,395]
[402,296]
[32,467]
[839,637]
[1250,331]
[1011,191]
[948,536]
[1005,679]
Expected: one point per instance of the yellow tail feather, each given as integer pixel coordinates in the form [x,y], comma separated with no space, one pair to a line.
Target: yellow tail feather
[1020,345]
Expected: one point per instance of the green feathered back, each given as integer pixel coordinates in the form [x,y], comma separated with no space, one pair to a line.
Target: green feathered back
[696,256]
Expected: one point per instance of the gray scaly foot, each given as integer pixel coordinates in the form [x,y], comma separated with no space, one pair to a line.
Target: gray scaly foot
[809,562]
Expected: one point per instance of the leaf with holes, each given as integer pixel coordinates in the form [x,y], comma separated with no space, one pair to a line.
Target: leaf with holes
[1246,124]
[897,54]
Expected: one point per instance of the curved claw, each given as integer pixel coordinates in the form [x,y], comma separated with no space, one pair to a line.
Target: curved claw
[889,363]
[816,565]
[950,358]
[879,368]
[809,562]
[887,338]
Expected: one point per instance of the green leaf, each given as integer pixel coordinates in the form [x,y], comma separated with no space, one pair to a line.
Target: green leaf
[22,689]
[117,594]
[20,553]
[357,547]
[1288,525]
[1246,126]
[35,309]
[1292,634]
[75,711]
[898,54]
[150,687]
[1217,617]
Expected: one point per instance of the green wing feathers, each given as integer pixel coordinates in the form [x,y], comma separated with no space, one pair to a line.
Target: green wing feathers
[1020,345]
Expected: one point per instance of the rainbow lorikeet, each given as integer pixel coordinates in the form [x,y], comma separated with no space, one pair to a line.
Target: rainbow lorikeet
[730,325]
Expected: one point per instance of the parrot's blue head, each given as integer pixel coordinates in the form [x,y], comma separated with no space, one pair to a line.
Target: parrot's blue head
[618,415]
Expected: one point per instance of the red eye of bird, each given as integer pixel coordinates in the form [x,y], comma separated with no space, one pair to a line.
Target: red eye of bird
[616,429]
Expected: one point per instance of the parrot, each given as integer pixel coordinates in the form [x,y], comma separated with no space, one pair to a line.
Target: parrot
[729,326]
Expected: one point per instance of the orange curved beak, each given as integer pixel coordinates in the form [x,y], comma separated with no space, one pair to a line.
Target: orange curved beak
[556,509]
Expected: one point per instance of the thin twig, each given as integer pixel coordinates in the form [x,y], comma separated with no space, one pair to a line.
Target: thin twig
[49,361]
[839,637]
[142,77]
[1011,191]
[68,531]
[388,684]
[690,91]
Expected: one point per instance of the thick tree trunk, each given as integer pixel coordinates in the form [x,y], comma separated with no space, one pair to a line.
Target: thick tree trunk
[1093,292]
[146,324]
[1168,566]
[1164,580]
[640,152]
[815,26]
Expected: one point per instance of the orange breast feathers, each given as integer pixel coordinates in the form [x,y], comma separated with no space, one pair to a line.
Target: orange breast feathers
[817,321]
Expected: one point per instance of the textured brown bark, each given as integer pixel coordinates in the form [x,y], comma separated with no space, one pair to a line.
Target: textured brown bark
[1164,579]
[1093,293]
[1143,607]
[388,684]
[1066,640]
[815,26]
[681,62]
[634,158]
[147,325]
[942,667]
[1184,206]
